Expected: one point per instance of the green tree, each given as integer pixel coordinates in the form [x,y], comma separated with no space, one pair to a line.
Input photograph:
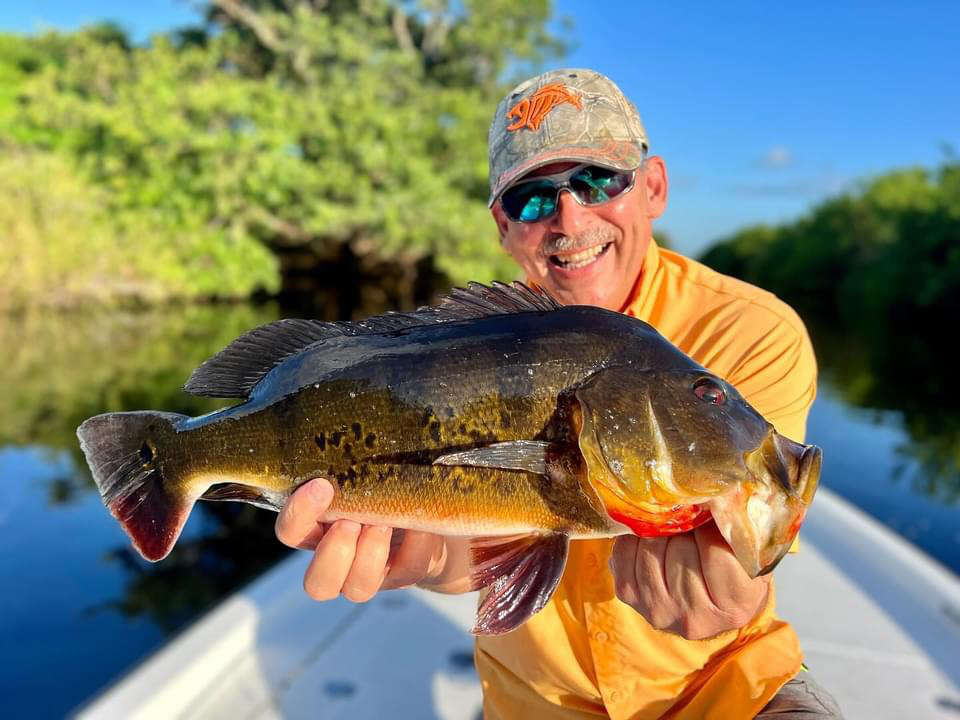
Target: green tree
[357,123]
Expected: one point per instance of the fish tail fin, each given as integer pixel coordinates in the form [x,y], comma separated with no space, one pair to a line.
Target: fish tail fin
[123,452]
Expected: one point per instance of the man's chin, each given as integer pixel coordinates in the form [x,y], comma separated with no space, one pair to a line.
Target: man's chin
[597,290]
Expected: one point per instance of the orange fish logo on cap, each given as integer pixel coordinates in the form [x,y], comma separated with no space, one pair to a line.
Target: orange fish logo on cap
[529,112]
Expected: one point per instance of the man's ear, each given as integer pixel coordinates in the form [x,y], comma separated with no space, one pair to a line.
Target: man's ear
[500,218]
[656,185]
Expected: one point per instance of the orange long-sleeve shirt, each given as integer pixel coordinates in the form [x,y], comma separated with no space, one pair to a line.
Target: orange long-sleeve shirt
[588,655]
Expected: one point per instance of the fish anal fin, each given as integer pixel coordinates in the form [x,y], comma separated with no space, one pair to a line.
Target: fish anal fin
[528,455]
[237,492]
[521,572]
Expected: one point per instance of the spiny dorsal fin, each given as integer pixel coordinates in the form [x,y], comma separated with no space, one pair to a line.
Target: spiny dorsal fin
[235,371]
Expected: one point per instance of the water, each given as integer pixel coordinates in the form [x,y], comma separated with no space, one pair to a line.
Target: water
[79,608]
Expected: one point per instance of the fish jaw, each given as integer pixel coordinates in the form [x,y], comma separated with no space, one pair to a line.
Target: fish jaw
[760,517]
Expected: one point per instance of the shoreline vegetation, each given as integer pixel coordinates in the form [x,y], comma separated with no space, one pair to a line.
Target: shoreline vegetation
[195,165]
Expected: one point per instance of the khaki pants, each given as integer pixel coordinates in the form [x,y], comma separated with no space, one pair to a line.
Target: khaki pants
[801,699]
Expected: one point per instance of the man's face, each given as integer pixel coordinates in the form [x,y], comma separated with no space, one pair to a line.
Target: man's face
[588,255]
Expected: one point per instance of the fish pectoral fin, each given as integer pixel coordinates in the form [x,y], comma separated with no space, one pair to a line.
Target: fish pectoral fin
[527,455]
[521,573]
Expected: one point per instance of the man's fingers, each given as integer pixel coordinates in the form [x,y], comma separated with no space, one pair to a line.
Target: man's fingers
[649,585]
[332,560]
[412,559]
[623,567]
[683,572]
[298,521]
[369,564]
[726,580]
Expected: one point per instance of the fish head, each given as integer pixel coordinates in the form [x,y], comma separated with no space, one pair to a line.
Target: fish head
[667,450]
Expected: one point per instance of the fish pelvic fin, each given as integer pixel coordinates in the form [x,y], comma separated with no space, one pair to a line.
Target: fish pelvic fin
[521,574]
[122,452]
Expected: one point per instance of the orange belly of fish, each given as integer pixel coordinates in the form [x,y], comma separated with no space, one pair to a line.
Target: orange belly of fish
[645,523]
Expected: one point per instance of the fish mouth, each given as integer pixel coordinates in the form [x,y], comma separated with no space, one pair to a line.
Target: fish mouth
[580,258]
[761,517]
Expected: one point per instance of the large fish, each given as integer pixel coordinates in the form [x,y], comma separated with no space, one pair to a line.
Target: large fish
[499,415]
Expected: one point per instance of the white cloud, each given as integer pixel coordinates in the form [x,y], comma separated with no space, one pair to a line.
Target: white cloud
[776,158]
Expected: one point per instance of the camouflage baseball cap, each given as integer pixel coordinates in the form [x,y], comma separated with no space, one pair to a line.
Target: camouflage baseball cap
[568,114]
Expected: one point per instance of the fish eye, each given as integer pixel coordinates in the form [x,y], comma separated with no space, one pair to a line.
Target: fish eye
[709,391]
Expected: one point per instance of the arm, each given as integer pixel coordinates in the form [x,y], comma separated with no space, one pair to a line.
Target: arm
[359,560]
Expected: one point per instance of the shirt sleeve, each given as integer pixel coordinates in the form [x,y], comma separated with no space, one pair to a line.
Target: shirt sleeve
[777,372]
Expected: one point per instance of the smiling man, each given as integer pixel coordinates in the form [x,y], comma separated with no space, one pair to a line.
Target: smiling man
[638,628]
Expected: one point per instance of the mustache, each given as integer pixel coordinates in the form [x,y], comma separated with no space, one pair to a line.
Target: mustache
[580,241]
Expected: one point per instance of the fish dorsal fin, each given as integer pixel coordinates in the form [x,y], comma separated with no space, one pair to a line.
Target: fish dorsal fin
[235,371]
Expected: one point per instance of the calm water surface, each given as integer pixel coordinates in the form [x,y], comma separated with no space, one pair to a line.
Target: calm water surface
[80,608]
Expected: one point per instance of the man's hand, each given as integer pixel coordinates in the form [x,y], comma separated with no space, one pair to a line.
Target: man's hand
[350,558]
[690,584]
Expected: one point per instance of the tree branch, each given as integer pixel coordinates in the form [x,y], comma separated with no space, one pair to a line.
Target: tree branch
[249,19]
[401,31]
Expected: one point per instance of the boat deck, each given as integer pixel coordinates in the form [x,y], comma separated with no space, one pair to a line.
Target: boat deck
[879,622]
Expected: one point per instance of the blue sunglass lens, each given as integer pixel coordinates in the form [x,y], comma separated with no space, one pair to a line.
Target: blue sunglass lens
[597,185]
[530,202]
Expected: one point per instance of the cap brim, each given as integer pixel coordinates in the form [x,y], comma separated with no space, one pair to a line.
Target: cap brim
[613,154]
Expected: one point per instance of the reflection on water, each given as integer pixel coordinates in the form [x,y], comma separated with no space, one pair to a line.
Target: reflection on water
[86,607]
[88,604]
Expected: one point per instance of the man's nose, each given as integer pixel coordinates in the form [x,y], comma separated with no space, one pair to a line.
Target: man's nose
[571,217]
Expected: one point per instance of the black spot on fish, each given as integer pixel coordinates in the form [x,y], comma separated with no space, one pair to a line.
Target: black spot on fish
[435,430]
[370,440]
[146,453]
[504,420]
[357,431]
[335,437]
[427,417]
[462,429]
[321,441]
[462,485]
[352,477]
[348,449]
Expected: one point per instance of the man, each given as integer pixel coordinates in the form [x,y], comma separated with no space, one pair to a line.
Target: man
[638,628]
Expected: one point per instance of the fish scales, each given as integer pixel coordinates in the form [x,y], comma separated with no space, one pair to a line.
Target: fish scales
[377,444]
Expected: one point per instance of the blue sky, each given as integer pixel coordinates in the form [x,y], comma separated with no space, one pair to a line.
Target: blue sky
[759,112]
